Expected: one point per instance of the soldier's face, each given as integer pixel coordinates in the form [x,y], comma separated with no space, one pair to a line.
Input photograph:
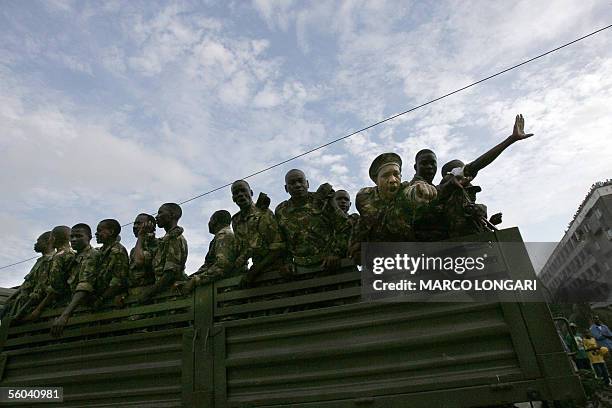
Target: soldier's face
[343,200]
[426,166]
[164,217]
[104,234]
[389,179]
[242,195]
[296,184]
[79,239]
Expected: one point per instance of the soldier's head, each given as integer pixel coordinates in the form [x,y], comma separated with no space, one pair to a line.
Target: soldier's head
[60,236]
[242,194]
[44,243]
[168,215]
[220,219]
[143,220]
[426,164]
[107,231]
[296,184]
[453,164]
[386,172]
[343,199]
[80,235]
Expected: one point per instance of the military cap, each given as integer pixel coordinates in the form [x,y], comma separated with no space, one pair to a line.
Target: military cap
[383,160]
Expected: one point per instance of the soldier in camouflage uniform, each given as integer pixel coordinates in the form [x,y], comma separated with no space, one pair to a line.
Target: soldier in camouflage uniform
[82,276]
[31,291]
[387,211]
[112,263]
[343,235]
[171,253]
[465,217]
[432,225]
[56,290]
[220,261]
[257,234]
[309,222]
[141,270]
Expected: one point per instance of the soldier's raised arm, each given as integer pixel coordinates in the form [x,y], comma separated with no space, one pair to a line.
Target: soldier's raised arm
[471,169]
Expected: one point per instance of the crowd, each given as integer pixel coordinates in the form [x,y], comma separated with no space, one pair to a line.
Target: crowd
[308,229]
[591,348]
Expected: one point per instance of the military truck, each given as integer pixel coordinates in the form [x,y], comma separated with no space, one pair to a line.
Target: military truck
[311,342]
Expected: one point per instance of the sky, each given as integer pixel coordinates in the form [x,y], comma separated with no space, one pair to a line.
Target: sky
[109,109]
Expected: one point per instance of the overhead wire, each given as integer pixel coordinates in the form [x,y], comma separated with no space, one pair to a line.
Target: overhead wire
[387,119]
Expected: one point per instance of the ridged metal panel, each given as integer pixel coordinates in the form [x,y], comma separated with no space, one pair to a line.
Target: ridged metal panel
[367,350]
[144,369]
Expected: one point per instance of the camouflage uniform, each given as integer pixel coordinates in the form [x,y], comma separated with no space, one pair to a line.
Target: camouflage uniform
[83,272]
[257,233]
[432,225]
[343,235]
[171,255]
[463,215]
[387,221]
[33,286]
[220,261]
[143,275]
[112,267]
[309,229]
[59,273]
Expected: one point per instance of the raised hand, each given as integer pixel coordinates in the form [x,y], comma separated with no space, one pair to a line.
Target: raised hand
[518,133]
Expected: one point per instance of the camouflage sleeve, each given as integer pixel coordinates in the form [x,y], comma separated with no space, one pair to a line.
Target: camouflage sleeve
[120,267]
[270,229]
[176,255]
[87,273]
[225,251]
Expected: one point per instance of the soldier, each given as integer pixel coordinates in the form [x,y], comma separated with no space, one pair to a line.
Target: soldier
[112,264]
[31,291]
[343,199]
[257,234]
[308,222]
[82,275]
[220,260]
[141,269]
[425,166]
[171,254]
[388,210]
[464,216]
[56,291]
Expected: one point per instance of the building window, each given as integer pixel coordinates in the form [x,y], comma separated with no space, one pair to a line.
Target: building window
[597,213]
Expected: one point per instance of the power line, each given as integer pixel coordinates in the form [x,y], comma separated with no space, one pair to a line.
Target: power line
[380,121]
[20,262]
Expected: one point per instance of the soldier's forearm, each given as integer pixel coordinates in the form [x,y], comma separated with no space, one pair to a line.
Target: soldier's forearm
[488,157]
[74,303]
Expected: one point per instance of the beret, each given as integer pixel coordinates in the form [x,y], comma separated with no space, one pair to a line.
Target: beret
[382,160]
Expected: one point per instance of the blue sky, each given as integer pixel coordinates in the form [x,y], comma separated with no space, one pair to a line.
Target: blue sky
[110,108]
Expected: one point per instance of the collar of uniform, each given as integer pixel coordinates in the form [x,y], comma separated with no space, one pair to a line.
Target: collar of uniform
[293,204]
[85,251]
[174,232]
[224,230]
[105,248]
[243,215]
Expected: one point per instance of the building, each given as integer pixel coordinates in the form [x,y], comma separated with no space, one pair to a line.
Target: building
[580,267]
